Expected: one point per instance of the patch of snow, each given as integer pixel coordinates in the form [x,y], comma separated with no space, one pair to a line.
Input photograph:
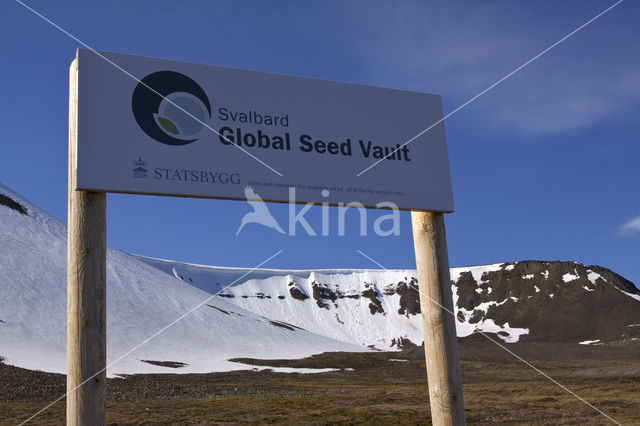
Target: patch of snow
[476,271]
[546,275]
[489,290]
[465,328]
[287,369]
[570,277]
[176,274]
[593,276]
[535,287]
[528,276]
[588,342]
[505,333]
[551,295]
[479,290]
[515,299]
[587,288]
[399,360]
[635,296]
[484,306]
[510,268]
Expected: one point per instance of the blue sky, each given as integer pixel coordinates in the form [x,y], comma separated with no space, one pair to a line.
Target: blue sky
[544,166]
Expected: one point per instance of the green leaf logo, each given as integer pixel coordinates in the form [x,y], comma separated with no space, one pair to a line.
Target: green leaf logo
[168,125]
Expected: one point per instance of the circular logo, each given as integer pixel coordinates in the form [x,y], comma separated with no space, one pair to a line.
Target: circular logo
[174,114]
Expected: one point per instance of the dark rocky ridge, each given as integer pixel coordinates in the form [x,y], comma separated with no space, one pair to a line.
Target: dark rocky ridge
[375,306]
[296,293]
[13,205]
[536,297]
[322,293]
[409,297]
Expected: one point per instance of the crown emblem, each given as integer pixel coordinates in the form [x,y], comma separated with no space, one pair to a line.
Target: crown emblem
[140,171]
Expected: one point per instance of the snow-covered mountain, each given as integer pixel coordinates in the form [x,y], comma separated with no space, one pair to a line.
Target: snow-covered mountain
[277,313]
[521,301]
[140,301]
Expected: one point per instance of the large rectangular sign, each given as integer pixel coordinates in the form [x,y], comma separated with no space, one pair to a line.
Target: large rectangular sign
[204,131]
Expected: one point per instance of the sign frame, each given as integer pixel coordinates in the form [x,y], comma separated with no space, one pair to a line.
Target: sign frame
[86,298]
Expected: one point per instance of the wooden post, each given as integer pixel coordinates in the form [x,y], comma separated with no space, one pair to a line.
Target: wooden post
[438,323]
[86,290]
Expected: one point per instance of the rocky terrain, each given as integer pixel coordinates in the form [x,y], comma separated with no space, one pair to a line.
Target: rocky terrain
[555,301]
[370,387]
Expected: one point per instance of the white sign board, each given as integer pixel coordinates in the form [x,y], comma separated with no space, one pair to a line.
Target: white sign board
[204,131]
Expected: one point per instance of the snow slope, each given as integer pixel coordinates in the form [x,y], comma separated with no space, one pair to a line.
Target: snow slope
[348,317]
[140,301]
[268,292]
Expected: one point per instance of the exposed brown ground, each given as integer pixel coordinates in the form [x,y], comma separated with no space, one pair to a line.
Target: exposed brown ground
[376,391]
